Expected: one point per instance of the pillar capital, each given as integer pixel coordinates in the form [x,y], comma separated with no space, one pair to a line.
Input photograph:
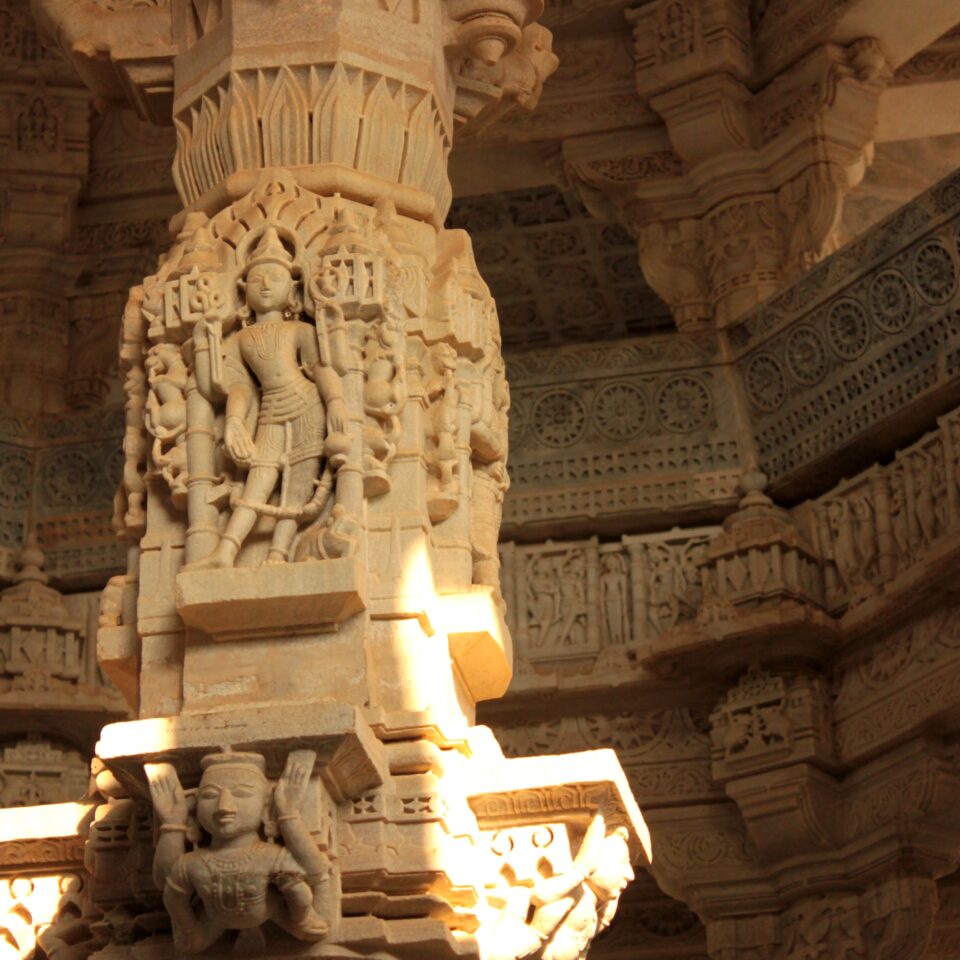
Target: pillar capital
[361,98]
[741,189]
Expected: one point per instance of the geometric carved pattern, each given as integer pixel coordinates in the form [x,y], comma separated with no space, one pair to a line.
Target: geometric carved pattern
[860,336]
[557,274]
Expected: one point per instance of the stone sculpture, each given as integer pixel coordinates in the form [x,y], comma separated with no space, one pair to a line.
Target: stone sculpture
[239,880]
[557,917]
[295,402]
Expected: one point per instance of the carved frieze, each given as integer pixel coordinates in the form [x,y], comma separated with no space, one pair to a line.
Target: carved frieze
[579,611]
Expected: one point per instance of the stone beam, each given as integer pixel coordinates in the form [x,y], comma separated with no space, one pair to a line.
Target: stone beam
[787,31]
[918,110]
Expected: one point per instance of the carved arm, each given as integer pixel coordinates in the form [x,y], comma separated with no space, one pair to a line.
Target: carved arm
[289,796]
[170,803]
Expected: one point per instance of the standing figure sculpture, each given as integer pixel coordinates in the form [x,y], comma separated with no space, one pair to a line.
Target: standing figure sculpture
[613,591]
[239,881]
[295,402]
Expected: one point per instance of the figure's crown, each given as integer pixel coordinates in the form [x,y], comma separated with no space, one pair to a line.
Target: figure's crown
[270,250]
[218,761]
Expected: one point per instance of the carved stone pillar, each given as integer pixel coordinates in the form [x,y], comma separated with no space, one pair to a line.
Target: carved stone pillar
[315,465]
[44,145]
[741,189]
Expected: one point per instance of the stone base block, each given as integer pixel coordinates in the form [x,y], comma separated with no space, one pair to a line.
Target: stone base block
[349,757]
[292,598]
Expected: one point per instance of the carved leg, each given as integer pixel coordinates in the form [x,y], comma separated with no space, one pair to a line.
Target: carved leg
[260,484]
[302,477]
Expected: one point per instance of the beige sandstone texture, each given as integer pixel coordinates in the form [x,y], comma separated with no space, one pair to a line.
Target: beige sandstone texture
[293,665]
[314,462]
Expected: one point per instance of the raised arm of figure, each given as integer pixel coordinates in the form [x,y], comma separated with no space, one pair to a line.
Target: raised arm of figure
[553,888]
[172,808]
[288,798]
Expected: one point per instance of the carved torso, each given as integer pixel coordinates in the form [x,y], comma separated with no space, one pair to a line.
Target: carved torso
[276,354]
[233,884]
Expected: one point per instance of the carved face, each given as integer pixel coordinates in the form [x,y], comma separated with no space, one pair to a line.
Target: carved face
[269,287]
[231,801]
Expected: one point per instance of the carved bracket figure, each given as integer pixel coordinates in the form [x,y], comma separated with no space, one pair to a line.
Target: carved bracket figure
[239,880]
[556,915]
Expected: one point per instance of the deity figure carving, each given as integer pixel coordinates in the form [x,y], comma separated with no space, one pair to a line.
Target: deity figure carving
[541,599]
[926,471]
[558,916]
[863,512]
[844,545]
[677,32]
[490,403]
[613,590]
[129,508]
[899,518]
[573,598]
[129,505]
[279,425]
[239,880]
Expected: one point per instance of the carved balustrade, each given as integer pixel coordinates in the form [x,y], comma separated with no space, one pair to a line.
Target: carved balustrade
[831,367]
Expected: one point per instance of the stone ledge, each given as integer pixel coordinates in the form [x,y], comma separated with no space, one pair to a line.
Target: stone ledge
[296,597]
[567,787]
[349,756]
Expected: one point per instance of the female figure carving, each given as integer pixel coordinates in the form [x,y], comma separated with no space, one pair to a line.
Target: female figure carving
[240,880]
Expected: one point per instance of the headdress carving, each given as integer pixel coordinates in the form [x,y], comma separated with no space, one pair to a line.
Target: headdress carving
[249,761]
[270,249]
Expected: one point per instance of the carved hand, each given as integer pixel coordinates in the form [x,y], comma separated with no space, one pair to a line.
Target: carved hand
[587,858]
[201,332]
[292,787]
[238,441]
[168,797]
[189,937]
